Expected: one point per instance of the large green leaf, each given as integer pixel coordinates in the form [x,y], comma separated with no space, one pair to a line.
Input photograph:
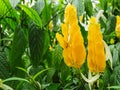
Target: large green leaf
[32,14]
[38,43]
[80,6]
[17,50]
[88,7]
[4,66]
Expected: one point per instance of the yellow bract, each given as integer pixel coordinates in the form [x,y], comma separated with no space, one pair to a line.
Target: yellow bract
[118,27]
[96,55]
[71,41]
[50,25]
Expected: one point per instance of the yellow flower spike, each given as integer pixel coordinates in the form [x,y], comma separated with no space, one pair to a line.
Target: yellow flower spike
[96,54]
[71,39]
[118,26]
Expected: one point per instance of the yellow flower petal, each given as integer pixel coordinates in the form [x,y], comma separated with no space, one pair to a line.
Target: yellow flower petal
[50,25]
[61,40]
[70,14]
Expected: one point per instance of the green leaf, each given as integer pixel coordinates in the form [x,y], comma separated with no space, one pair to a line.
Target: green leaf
[116,6]
[88,7]
[53,86]
[22,69]
[40,72]
[84,33]
[8,15]
[111,24]
[4,7]
[15,78]
[50,74]
[114,87]
[65,71]
[38,43]
[26,86]
[103,4]
[32,14]
[115,77]
[106,77]
[46,13]
[80,6]
[118,46]
[4,66]
[17,50]
[115,57]
[57,56]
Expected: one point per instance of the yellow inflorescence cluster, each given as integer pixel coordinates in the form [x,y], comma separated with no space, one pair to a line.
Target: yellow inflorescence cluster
[96,55]
[72,42]
[118,26]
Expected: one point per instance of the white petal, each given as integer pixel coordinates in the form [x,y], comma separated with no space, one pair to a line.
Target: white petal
[108,53]
[93,79]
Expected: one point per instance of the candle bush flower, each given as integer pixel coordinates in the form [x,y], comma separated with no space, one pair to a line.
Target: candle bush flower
[71,41]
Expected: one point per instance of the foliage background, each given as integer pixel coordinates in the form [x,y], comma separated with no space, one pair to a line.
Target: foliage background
[31,57]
